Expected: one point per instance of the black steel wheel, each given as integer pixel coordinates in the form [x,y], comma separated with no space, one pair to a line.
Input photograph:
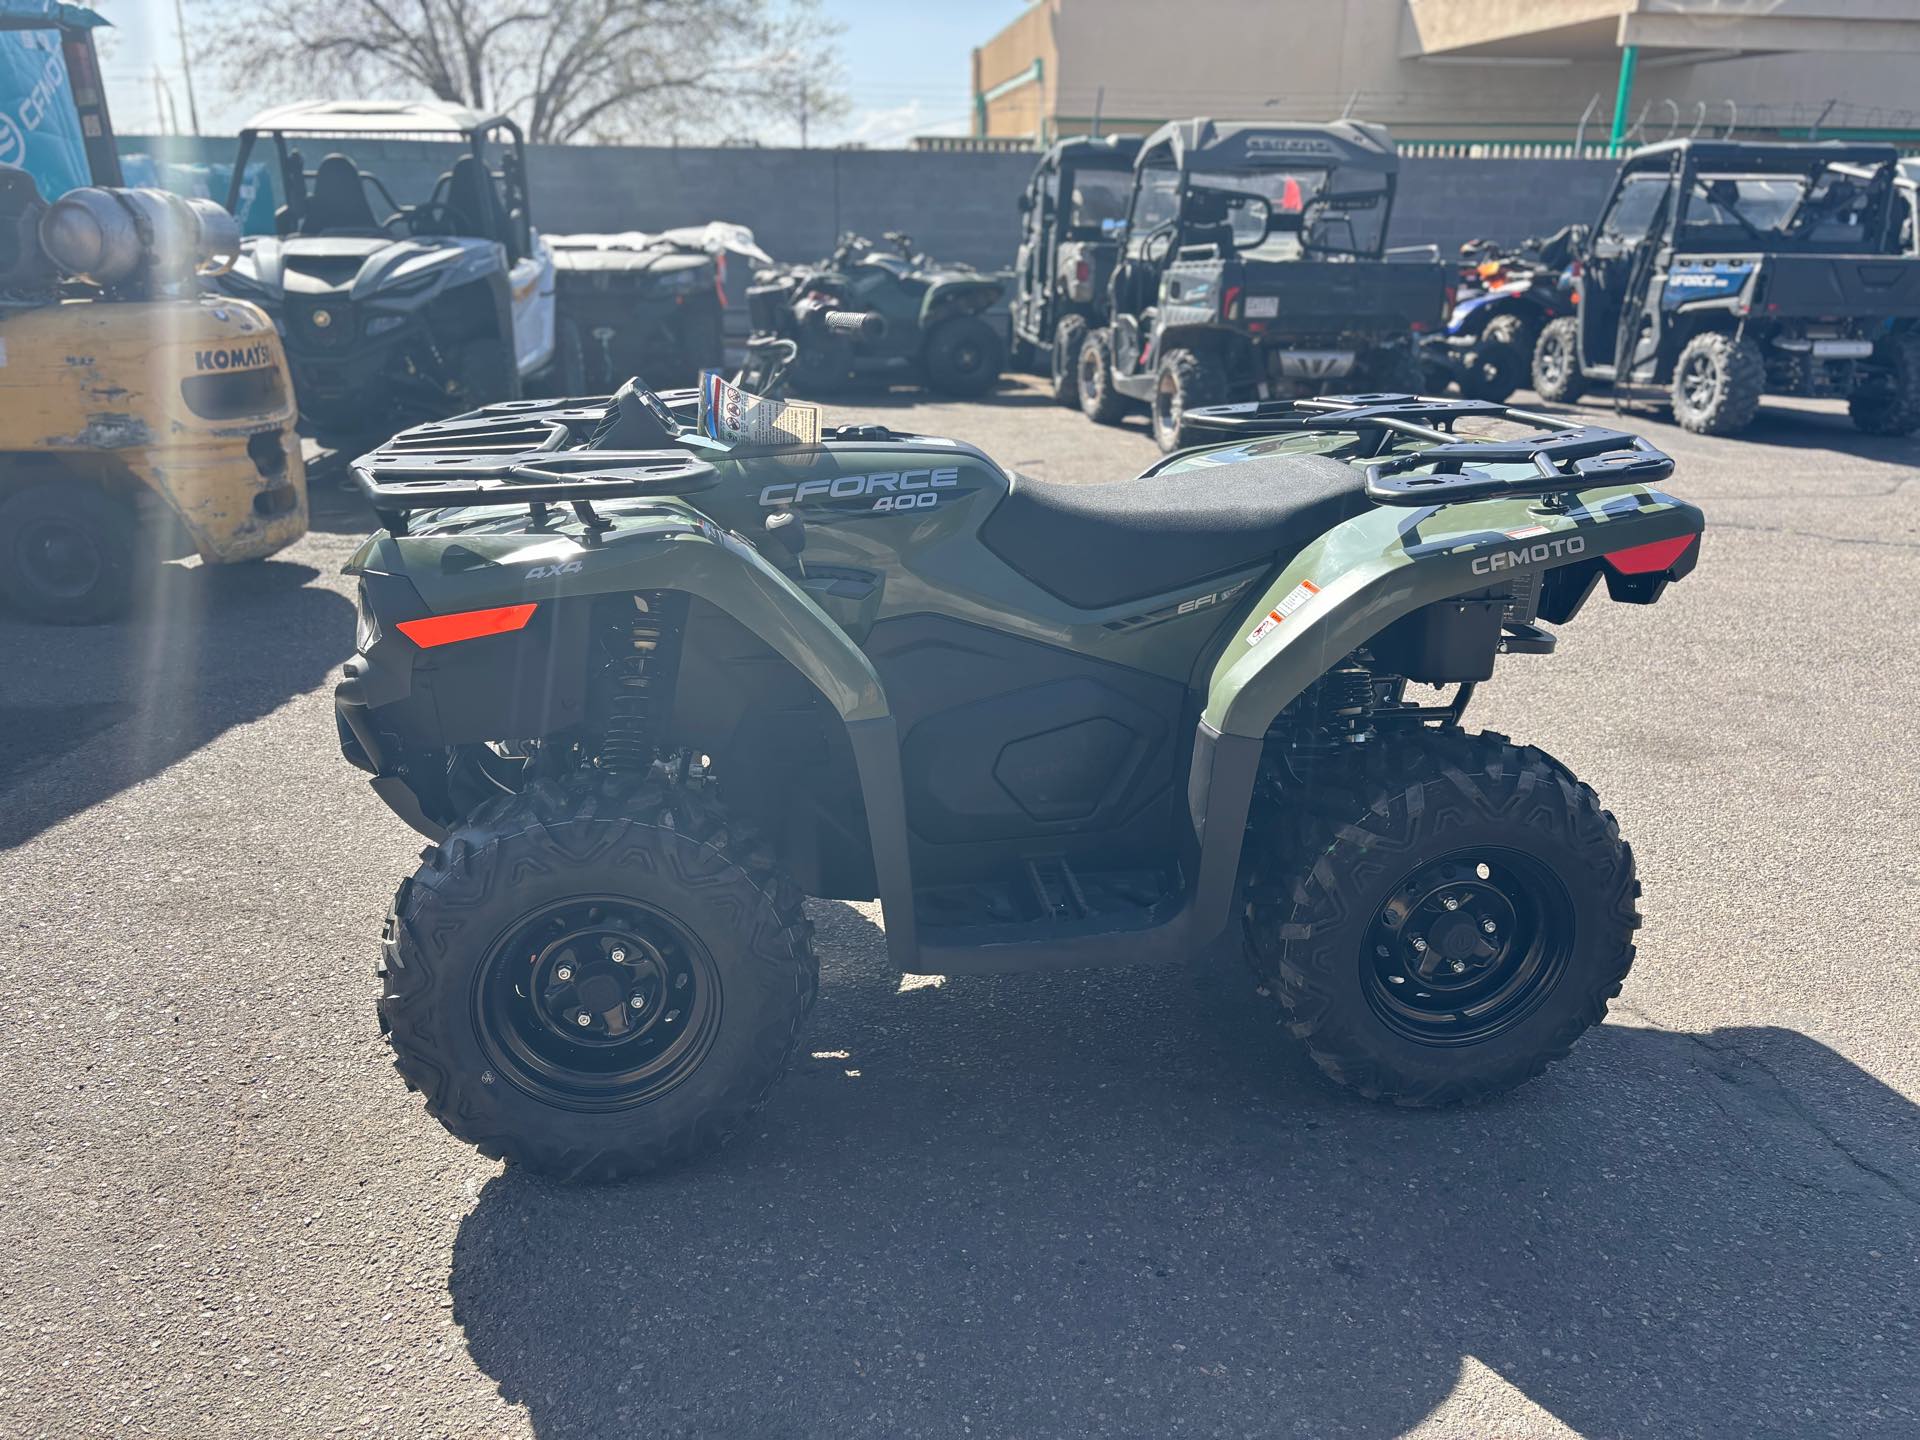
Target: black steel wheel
[68,552]
[1466,944]
[596,979]
[597,1002]
[1455,914]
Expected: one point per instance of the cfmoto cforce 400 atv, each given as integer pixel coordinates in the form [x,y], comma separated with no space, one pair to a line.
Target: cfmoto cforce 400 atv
[644,692]
[397,311]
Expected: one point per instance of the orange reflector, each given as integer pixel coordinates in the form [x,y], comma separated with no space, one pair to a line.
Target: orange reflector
[466,625]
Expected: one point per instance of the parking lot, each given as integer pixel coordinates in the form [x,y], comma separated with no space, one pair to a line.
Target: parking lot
[1115,1203]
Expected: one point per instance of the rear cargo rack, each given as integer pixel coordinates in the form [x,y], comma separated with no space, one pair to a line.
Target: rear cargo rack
[539,453]
[1565,455]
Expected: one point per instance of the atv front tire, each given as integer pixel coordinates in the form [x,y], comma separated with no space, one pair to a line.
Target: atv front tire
[69,553]
[1187,380]
[1447,921]
[488,373]
[597,979]
[1496,366]
[964,356]
[1887,401]
[1099,401]
[1064,359]
[1556,362]
[1717,383]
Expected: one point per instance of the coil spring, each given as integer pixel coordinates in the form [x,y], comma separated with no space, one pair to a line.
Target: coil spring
[639,670]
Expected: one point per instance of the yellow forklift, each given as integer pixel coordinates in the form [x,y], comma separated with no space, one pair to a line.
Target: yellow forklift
[140,419]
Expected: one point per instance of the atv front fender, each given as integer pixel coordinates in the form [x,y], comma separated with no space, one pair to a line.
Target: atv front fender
[966,297]
[1356,580]
[1361,576]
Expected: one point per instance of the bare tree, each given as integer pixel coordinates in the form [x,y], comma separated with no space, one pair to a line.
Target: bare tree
[568,70]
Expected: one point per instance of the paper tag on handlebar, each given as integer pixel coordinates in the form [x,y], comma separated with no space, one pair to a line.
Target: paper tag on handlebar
[730,414]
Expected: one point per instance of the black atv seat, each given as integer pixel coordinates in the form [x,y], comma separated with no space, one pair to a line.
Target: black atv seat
[1100,545]
[339,200]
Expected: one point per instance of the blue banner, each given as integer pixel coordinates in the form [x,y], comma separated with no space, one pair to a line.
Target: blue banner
[39,125]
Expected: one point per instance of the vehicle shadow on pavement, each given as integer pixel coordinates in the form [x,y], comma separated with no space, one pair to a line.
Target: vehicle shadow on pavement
[92,710]
[1121,1204]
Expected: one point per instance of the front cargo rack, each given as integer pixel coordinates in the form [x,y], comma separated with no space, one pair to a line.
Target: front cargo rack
[539,453]
[1565,456]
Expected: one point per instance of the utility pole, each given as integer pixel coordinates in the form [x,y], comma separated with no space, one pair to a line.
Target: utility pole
[186,64]
[803,107]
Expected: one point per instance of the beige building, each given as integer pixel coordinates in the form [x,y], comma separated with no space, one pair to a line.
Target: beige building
[1461,70]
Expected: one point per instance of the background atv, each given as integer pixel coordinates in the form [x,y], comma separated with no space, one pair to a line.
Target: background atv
[1505,299]
[648,305]
[397,311]
[1072,212]
[1721,271]
[1255,265]
[932,327]
[643,691]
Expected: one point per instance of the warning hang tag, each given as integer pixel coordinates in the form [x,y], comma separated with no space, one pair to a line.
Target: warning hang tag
[730,414]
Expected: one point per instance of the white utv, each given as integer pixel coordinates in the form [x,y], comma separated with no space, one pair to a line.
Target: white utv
[395,311]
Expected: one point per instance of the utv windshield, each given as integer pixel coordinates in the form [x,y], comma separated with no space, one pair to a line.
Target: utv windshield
[1315,213]
[1832,209]
[1098,204]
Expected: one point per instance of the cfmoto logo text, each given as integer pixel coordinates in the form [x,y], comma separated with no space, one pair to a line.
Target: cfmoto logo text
[851,487]
[1528,555]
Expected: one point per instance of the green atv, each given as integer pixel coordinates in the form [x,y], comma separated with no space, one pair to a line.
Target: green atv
[644,691]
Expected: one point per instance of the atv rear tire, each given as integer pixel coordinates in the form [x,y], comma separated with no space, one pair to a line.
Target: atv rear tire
[1063,361]
[69,553]
[1390,372]
[1496,365]
[1556,362]
[1188,379]
[964,356]
[597,979]
[1717,383]
[1099,401]
[1887,402]
[1446,921]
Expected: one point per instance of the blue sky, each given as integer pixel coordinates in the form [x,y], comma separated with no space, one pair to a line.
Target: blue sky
[907,67]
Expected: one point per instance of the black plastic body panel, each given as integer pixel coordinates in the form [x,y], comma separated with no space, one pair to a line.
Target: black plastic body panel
[1011,748]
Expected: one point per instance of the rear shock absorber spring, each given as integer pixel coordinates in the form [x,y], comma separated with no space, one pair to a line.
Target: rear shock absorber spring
[641,645]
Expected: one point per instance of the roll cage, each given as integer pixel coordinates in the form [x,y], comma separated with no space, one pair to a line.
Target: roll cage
[1225,148]
[497,192]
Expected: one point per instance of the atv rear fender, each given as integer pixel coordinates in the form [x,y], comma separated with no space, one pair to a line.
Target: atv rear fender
[657,553]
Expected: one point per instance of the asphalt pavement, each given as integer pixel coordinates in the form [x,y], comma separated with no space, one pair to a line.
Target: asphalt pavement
[1118,1203]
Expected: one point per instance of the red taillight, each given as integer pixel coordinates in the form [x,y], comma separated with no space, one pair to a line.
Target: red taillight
[1651,558]
[1227,298]
[1082,270]
[465,625]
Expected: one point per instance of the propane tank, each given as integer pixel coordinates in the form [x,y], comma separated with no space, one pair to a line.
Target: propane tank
[113,236]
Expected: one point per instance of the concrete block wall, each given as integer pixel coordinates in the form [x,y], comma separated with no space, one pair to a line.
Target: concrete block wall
[956,206]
